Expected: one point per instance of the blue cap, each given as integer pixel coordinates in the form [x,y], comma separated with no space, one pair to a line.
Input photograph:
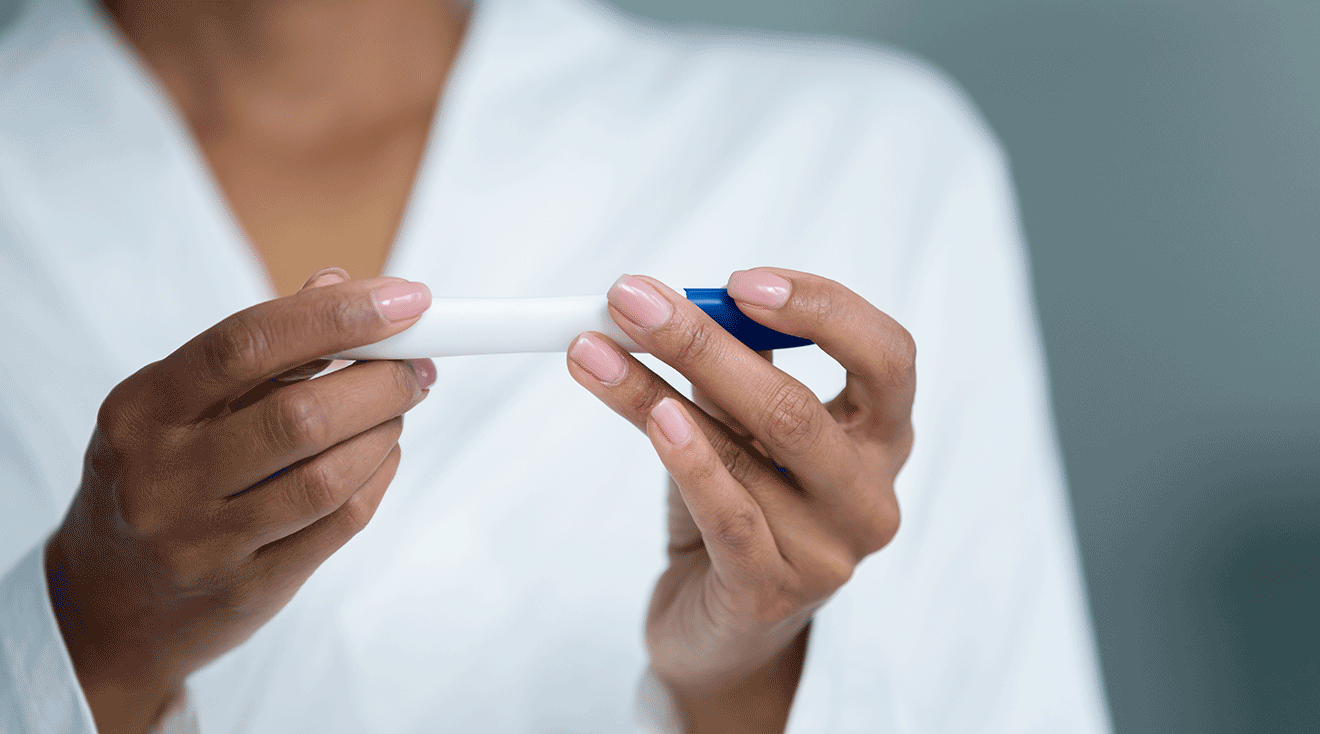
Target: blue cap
[719,306]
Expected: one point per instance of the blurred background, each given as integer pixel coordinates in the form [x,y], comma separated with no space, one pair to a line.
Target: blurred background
[1167,155]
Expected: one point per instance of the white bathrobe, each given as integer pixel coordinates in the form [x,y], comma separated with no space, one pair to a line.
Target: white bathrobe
[502,585]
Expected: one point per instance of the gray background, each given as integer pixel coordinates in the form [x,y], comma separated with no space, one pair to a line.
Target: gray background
[1167,154]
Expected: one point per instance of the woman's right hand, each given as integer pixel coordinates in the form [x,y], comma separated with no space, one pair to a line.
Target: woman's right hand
[218,479]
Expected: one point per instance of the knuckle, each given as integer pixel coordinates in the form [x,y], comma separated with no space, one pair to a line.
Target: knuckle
[788,419]
[127,418]
[111,428]
[299,419]
[740,464]
[341,316]
[881,526]
[836,571]
[112,444]
[907,345]
[236,348]
[779,597]
[697,341]
[355,513]
[321,480]
[188,565]
[821,306]
[874,519]
[646,395]
[404,382]
[141,513]
[901,364]
[736,529]
[704,471]
[828,570]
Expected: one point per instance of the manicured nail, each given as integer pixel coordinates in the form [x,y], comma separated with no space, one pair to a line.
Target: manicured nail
[758,288]
[402,299]
[425,370]
[324,277]
[672,424]
[596,357]
[640,302]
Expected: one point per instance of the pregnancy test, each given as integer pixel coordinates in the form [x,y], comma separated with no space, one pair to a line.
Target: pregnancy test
[453,327]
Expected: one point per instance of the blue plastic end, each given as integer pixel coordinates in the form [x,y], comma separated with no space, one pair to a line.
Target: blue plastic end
[719,306]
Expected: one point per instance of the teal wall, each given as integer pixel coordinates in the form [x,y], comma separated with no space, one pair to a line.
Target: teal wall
[1167,155]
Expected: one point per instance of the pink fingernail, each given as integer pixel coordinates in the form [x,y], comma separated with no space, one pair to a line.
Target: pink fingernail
[672,424]
[596,357]
[758,288]
[402,300]
[425,370]
[640,302]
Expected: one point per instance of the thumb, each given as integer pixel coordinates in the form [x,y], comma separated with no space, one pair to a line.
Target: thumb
[324,277]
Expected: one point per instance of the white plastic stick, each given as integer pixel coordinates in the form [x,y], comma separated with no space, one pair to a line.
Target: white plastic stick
[459,326]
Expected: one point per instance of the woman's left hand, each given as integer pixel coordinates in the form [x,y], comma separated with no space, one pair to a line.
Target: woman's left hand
[755,551]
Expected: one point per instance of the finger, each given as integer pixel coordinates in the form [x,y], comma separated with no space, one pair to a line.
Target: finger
[878,353]
[805,555]
[632,390]
[303,419]
[319,279]
[296,556]
[270,338]
[782,413]
[326,276]
[798,525]
[733,527]
[703,401]
[308,370]
[309,490]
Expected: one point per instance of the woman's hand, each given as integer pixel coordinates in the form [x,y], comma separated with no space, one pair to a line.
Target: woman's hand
[218,479]
[755,551]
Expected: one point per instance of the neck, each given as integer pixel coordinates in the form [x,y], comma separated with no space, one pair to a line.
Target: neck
[301,74]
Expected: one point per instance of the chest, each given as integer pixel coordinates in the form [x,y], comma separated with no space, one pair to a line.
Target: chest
[339,205]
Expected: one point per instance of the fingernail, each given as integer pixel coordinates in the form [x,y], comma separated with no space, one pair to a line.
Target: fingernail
[640,302]
[326,276]
[402,299]
[672,424]
[596,357]
[758,288]
[425,370]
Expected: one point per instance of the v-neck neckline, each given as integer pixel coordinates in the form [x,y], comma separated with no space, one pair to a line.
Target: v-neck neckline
[198,171]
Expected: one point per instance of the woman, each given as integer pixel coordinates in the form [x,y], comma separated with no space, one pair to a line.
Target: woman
[167,165]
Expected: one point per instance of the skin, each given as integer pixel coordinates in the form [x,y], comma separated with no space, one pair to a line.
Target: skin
[754,553]
[323,106]
[219,478]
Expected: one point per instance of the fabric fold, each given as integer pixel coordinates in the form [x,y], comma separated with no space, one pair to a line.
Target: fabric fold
[39,690]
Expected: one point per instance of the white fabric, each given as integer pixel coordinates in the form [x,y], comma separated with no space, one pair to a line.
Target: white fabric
[502,585]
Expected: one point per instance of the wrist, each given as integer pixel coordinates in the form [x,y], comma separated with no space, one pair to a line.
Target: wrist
[756,702]
[118,683]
